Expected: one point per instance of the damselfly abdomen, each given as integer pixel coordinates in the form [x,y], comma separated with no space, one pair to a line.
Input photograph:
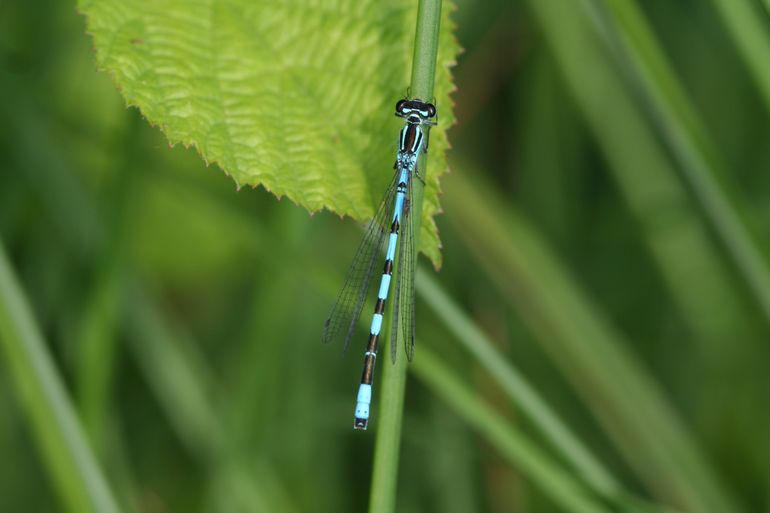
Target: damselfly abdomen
[393,218]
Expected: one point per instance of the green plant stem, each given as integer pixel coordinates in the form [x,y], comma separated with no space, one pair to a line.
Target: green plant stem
[425,49]
[382,498]
[69,460]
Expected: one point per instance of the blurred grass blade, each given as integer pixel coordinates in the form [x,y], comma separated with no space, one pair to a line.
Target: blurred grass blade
[748,27]
[176,373]
[96,353]
[517,387]
[592,355]
[521,452]
[678,238]
[184,386]
[556,484]
[591,470]
[69,460]
[626,28]
[97,334]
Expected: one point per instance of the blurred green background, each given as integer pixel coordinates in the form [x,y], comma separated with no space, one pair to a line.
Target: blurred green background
[597,339]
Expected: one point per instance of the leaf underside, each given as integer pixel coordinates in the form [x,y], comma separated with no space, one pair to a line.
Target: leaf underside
[296,96]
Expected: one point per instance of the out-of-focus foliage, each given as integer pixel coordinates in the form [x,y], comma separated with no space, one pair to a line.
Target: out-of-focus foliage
[290,96]
[593,341]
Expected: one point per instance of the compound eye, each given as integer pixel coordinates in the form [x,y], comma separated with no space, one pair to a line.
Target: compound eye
[431,110]
[400,106]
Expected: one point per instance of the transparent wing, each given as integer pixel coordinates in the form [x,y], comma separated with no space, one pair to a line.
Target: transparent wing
[403,306]
[395,318]
[347,309]
[406,312]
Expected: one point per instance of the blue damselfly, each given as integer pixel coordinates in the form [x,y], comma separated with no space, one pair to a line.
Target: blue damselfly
[392,216]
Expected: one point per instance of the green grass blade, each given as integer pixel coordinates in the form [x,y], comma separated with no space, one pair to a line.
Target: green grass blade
[513,445]
[69,460]
[591,353]
[382,498]
[97,334]
[526,397]
[179,377]
[748,27]
[703,167]
[176,373]
[516,386]
[678,238]
[96,357]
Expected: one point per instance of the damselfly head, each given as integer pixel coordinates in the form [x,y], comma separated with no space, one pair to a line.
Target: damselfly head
[416,111]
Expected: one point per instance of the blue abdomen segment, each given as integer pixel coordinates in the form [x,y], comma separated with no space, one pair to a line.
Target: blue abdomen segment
[384,287]
[376,324]
[363,401]
[391,253]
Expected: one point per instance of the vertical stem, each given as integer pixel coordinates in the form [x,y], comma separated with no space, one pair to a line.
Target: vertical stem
[425,49]
[386,452]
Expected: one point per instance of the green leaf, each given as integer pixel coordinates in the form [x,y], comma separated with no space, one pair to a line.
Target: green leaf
[294,96]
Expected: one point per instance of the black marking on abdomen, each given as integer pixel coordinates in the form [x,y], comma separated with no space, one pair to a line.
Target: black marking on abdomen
[369,359]
[371,346]
[368,375]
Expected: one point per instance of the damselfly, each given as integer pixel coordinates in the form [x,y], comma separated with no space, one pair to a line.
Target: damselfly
[393,215]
